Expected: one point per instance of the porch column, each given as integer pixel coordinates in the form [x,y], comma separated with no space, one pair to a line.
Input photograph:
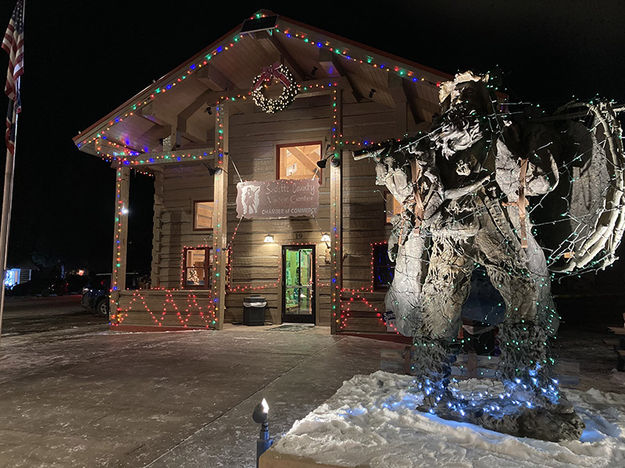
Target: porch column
[157,231]
[220,213]
[120,238]
[336,212]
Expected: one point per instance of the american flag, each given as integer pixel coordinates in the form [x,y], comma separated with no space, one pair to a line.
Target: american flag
[13,44]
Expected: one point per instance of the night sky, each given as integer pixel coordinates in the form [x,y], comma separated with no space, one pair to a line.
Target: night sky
[83,59]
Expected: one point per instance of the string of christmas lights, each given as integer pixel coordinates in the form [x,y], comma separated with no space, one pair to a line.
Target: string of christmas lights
[129,156]
[168,83]
[344,51]
[206,312]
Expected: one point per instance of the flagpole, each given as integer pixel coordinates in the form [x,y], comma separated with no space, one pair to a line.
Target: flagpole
[7,203]
[13,45]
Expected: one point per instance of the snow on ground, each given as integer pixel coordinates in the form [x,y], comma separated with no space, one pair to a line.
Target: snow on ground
[372,421]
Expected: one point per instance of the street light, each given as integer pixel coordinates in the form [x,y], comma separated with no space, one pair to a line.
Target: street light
[261,416]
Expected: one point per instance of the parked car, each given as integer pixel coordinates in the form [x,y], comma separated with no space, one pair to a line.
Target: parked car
[76,283]
[95,296]
[40,287]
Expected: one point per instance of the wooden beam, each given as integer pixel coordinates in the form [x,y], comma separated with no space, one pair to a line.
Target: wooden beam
[192,108]
[192,138]
[120,239]
[155,133]
[336,214]
[220,212]
[340,67]
[299,73]
[149,112]
[411,100]
[326,63]
[313,88]
[396,91]
[111,142]
[171,157]
[214,78]
[302,157]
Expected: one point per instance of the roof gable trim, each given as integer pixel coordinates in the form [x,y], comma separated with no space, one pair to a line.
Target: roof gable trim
[290,29]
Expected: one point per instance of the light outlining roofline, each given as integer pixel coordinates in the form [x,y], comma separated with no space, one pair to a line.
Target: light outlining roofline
[284,23]
[373,50]
[153,86]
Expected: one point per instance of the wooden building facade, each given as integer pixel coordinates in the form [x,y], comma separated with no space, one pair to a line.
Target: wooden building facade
[199,132]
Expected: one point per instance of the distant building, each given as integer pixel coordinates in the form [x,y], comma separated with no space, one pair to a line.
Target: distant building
[15,276]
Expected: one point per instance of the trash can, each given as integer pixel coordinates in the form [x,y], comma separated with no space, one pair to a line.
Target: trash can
[254,310]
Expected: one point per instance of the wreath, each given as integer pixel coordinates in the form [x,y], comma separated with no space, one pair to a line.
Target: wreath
[282,75]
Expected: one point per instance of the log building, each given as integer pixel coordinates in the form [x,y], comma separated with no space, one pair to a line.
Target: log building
[201,134]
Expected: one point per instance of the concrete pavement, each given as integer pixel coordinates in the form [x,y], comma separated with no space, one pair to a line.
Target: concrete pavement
[91,397]
[36,314]
[81,395]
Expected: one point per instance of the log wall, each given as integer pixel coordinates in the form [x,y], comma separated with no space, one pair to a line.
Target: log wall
[256,266]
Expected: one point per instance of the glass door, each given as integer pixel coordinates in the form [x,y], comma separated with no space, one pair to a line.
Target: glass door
[298,284]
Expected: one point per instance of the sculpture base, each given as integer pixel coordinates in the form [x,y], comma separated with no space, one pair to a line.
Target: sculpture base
[551,422]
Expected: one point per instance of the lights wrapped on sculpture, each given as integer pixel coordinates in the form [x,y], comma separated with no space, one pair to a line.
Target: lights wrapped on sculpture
[465,188]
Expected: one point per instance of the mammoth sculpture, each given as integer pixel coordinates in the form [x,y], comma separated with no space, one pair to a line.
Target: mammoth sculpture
[465,187]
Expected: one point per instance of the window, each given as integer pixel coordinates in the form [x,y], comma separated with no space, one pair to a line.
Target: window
[298,161]
[202,215]
[383,268]
[196,264]
[393,207]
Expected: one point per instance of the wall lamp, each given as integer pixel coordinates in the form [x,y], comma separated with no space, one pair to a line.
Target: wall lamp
[268,238]
[213,170]
[325,237]
[336,161]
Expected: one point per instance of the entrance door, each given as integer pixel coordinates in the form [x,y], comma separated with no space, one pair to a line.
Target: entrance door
[298,283]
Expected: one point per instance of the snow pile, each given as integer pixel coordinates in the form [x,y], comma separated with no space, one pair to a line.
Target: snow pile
[372,421]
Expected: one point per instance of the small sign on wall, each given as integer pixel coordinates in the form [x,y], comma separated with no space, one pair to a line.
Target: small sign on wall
[277,198]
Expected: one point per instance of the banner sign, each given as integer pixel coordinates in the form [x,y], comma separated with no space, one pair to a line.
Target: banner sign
[277,198]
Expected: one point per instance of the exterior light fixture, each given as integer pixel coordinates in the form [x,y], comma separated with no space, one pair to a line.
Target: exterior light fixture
[335,161]
[125,210]
[269,238]
[325,237]
[261,416]
[213,170]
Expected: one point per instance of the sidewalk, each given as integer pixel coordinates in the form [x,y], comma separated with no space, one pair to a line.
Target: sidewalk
[98,398]
[92,397]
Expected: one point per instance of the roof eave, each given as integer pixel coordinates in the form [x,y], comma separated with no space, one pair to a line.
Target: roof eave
[126,108]
[85,134]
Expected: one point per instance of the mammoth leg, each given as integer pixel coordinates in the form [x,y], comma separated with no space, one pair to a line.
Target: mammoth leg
[404,295]
[521,277]
[445,289]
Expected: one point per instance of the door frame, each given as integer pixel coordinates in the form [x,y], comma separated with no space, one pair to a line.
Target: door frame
[313,287]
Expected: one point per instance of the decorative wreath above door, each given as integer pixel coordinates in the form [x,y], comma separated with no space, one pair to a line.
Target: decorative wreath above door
[282,75]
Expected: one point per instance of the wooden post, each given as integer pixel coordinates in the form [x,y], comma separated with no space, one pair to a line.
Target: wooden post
[120,238]
[220,213]
[155,276]
[7,204]
[336,212]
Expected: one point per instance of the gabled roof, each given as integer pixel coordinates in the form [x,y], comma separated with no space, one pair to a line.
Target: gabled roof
[181,98]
